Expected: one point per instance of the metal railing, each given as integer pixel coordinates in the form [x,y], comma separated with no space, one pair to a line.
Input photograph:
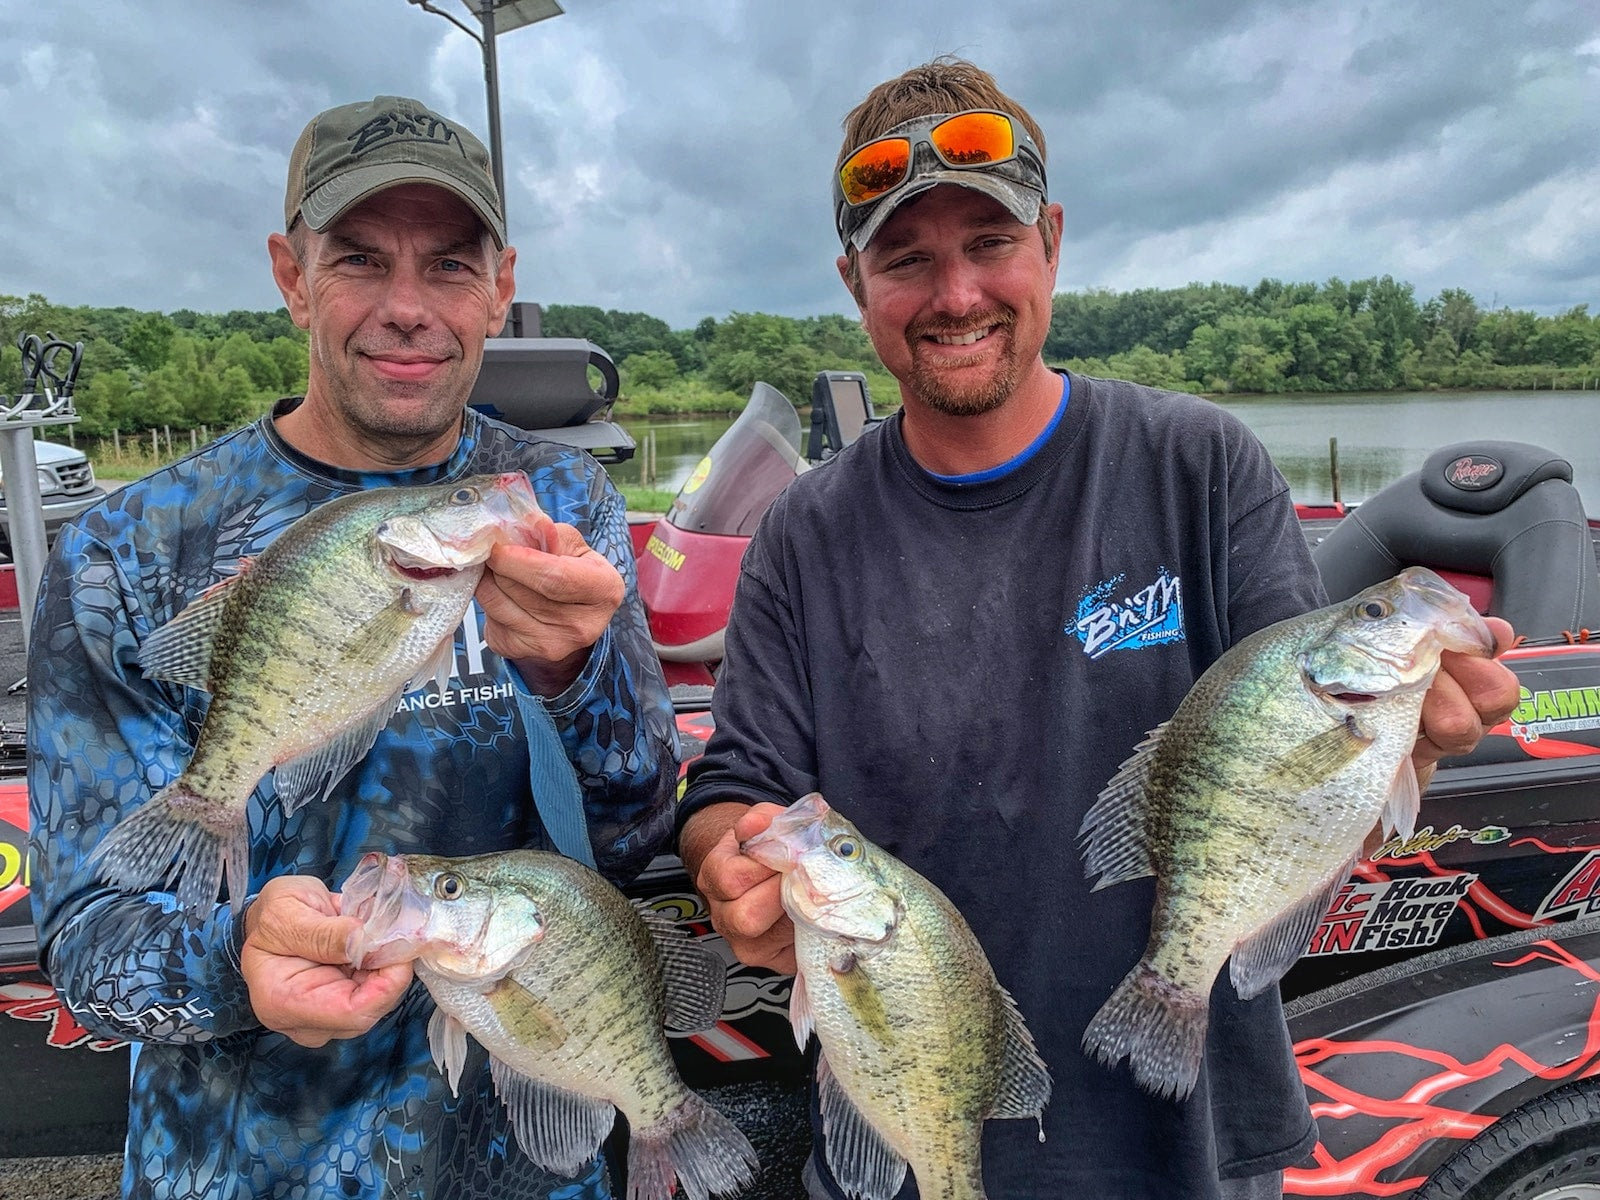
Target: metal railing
[49,374]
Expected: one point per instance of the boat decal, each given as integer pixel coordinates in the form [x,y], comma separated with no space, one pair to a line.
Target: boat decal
[1391,914]
[1425,839]
[32,1001]
[1420,1108]
[1557,710]
[1577,895]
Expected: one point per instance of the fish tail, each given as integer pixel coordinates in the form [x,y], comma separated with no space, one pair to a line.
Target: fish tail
[157,847]
[1158,1026]
[696,1145]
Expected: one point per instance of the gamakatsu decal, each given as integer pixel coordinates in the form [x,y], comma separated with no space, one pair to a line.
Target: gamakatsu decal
[1150,616]
[1564,710]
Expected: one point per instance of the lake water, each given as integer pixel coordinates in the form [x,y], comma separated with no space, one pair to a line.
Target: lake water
[1380,437]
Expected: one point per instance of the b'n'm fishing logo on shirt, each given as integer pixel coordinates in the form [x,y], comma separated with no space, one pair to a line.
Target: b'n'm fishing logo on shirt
[1109,619]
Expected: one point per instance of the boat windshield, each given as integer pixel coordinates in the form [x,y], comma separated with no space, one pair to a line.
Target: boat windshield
[744,470]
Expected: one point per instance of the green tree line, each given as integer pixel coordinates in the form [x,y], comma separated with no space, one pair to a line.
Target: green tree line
[186,370]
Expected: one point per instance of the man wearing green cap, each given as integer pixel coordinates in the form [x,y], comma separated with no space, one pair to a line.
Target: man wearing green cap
[960,627]
[265,1065]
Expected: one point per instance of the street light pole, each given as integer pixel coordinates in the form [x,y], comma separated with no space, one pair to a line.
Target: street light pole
[494,18]
[491,88]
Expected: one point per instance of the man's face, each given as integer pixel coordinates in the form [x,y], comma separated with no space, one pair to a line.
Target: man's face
[956,296]
[398,296]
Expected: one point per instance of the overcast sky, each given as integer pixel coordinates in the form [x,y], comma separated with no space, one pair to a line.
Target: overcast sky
[673,156]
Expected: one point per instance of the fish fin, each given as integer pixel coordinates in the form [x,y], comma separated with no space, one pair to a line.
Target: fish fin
[312,776]
[447,1041]
[376,637]
[156,848]
[1024,1078]
[526,1017]
[862,997]
[1113,836]
[560,1130]
[436,669]
[1318,759]
[864,1164]
[695,976]
[1264,957]
[694,1145]
[180,651]
[800,1019]
[1159,1027]
[1404,805]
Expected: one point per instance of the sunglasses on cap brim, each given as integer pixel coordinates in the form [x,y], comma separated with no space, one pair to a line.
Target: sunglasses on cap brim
[979,140]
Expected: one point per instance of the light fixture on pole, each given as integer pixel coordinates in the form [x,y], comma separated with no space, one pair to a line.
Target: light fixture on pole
[494,18]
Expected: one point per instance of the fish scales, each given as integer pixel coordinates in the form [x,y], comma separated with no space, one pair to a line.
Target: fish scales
[304,653]
[928,1075]
[1250,805]
[919,1043]
[563,982]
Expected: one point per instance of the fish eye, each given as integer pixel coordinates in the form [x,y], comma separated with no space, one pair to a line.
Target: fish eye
[464,495]
[449,886]
[845,846]
[1376,610]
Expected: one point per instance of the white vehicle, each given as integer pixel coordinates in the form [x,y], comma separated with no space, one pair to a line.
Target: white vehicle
[66,487]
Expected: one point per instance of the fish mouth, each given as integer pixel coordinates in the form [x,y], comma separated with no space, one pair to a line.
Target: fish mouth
[795,830]
[411,567]
[1463,630]
[393,918]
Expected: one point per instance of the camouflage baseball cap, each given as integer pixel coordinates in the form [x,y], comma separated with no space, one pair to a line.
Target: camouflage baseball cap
[355,151]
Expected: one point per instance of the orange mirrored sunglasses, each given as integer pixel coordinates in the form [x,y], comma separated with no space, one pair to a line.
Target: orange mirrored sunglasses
[967,140]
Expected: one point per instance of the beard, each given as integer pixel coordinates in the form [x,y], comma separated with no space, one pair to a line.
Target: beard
[939,386]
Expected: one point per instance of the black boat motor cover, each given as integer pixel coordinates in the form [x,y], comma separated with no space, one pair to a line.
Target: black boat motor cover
[1506,511]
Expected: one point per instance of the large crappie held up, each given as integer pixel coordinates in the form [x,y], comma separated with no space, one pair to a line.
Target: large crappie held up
[306,651]
[1251,804]
[919,1043]
[568,986]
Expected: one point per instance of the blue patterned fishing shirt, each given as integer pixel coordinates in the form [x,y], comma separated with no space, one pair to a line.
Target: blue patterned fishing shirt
[220,1107]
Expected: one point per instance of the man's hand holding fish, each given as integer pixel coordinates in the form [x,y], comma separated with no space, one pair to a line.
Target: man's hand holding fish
[545,610]
[1469,697]
[294,959]
[744,896]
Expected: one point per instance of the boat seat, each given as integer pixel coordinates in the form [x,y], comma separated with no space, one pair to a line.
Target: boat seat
[1502,513]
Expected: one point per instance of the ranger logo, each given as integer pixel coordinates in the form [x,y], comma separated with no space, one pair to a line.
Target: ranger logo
[1578,895]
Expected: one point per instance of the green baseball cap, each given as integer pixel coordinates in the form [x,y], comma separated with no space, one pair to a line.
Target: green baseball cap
[357,150]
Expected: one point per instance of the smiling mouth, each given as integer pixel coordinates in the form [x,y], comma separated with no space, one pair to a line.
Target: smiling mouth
[960,339]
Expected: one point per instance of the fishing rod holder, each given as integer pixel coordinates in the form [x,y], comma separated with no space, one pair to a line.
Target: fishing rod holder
[49,376]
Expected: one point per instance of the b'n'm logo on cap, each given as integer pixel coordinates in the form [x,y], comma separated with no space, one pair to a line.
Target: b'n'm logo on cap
[403,126]
[1473,472]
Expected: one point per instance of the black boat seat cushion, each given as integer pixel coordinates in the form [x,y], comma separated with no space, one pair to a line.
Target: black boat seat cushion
[1503,510]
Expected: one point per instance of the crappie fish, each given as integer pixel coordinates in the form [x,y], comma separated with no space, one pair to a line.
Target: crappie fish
[920,1043]
[306,651]
[1250,806]
[567,986]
